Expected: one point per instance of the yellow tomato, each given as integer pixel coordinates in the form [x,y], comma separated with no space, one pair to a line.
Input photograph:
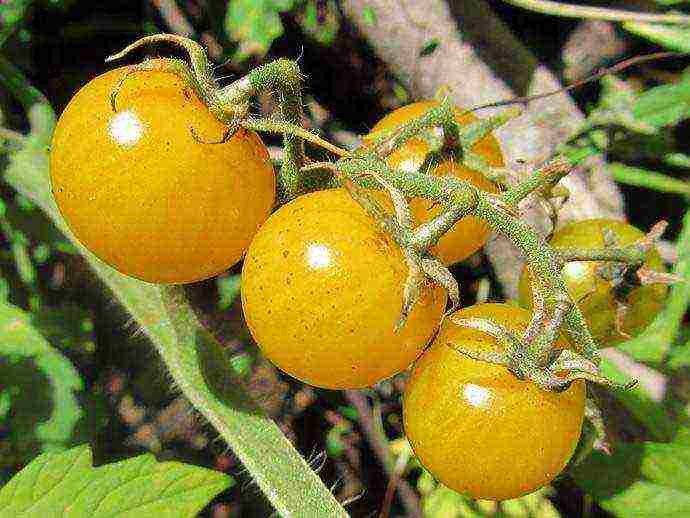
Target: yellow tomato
[322,290]
[593,294]
[140,192]
[479,429]
[469,234]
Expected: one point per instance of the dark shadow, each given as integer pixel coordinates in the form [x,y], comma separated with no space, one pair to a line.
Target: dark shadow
[31,404]
[214,362]
[622,469]
[495,44]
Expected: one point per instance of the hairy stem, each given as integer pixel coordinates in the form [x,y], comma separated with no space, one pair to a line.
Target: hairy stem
[284,76]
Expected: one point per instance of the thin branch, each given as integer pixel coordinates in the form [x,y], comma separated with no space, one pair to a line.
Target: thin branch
[618,67]
[379,445]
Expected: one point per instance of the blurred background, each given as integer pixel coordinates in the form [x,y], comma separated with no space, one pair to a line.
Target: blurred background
[83,373]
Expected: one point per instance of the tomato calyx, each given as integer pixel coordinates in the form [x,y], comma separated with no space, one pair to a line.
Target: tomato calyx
[446,138]
[422,266]
[198,74]
[555,371]
[231,104]
[624,266]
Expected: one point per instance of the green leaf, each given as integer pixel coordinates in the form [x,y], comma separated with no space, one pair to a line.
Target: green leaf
[653,344]
[650,413]
[679,356]
[665,105]
[40,384]
[641,480]
[677,160]
[255,24]
[335,445]
[445,502]
[649,179]
[673,37]
[66,484]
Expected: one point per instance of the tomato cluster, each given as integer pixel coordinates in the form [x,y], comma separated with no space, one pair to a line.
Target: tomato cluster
[142,186]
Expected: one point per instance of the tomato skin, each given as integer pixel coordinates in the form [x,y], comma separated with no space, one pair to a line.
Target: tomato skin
[322,290]
[142,194]
[475,426]
[593,294]
[469,234]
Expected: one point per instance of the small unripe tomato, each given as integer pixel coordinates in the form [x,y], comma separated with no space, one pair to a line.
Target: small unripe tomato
[593,294]
[322,290]
[475,426]
[140,192]
[469,234]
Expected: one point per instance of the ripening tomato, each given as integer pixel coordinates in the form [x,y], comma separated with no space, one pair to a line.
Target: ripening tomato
[141,193]
[469,234]
[322,290]
[593,294]
[475,426]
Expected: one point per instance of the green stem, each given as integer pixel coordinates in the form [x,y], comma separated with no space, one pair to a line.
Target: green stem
[598,13]
[630,255]
[284,76]
[427,234]
[271,126]
[202,374]
[546,277]
[649,179]
[463,198]
[548,175]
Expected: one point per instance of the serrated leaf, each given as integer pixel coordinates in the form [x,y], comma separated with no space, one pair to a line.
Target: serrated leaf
[41,384]
[642,480]
[442,501]
[255,24]
[66,485]
[673,37]
[665,105]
